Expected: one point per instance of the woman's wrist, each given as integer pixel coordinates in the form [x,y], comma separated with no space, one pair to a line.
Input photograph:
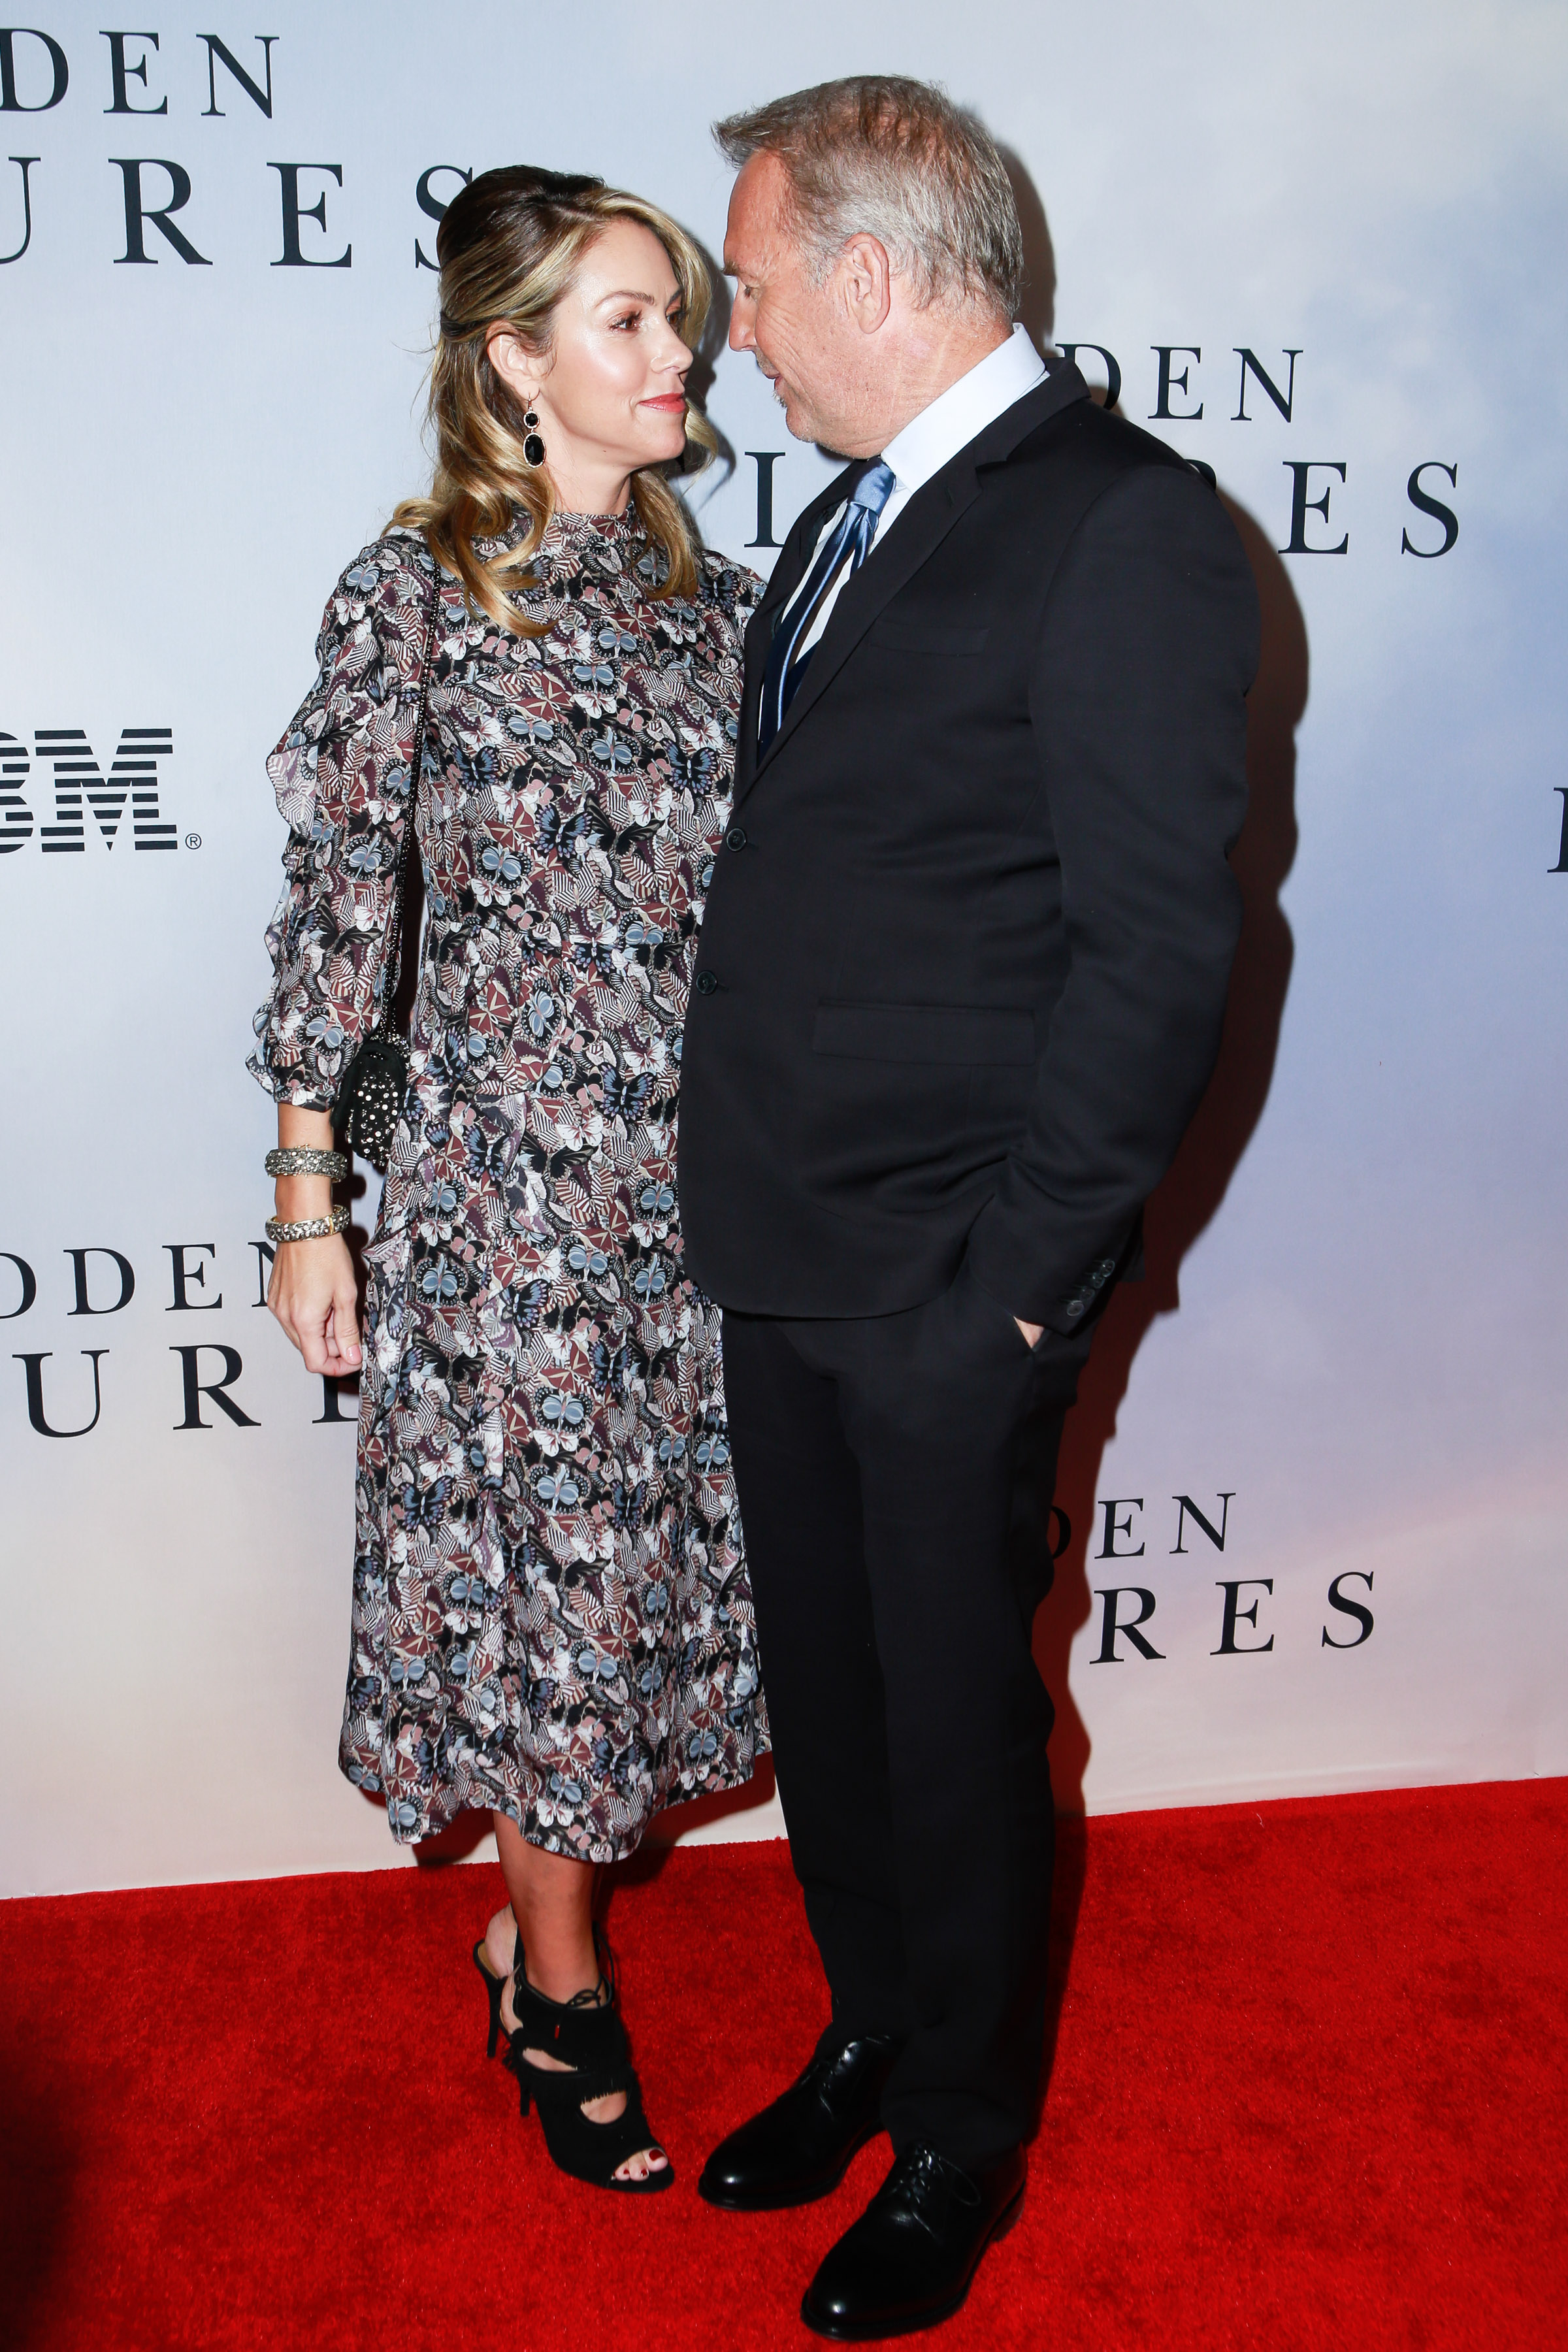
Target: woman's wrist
[303,1196]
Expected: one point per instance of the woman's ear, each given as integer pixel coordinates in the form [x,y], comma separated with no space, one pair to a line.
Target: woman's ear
[516,365]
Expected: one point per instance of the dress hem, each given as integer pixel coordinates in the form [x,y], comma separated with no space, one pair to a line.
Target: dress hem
[546,1836]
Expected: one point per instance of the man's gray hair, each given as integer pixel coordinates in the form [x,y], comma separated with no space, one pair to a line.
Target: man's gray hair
[894,158]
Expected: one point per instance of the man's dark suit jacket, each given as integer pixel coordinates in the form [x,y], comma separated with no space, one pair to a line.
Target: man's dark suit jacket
[963,966]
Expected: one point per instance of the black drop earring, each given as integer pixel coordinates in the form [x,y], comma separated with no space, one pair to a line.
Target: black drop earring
[532,446]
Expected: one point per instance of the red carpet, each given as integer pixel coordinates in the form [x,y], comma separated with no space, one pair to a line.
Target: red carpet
[1307,2090]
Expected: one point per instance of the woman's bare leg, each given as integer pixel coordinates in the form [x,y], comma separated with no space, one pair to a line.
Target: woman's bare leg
[553,1904]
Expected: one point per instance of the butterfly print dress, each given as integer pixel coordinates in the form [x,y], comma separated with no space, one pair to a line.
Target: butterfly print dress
[550,1612]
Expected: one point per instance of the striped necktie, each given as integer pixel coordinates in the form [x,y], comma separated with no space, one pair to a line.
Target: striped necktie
[848,546]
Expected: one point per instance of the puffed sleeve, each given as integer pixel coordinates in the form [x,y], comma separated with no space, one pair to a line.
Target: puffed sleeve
[341,777]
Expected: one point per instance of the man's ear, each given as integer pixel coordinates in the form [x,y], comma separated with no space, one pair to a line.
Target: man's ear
[867,277]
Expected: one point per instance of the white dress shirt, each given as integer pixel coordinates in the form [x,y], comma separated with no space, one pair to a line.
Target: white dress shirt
[928,440]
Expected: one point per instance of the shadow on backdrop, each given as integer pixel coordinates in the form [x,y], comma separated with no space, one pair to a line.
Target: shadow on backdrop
[1213,1146]
[1037,304]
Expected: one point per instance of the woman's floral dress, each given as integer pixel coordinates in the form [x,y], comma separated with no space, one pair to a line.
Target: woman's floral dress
[550,1609]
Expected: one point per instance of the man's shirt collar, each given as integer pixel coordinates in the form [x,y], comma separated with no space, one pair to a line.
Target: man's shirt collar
[963,411]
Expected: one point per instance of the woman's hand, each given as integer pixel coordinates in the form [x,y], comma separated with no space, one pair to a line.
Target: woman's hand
[313,1291]
[313,1294]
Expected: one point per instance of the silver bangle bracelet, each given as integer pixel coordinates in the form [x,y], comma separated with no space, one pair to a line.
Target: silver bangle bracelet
[307,1229]
[297,1160]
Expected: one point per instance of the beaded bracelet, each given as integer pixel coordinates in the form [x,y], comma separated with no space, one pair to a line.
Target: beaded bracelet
[307,1229]
[298,1159]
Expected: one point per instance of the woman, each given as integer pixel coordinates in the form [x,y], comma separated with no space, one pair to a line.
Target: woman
[550,1611]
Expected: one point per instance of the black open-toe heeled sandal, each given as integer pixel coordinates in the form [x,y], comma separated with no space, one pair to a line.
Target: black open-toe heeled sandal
[495,1986]
[586,2035]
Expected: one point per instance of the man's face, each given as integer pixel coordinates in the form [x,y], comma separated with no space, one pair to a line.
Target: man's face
[805,340]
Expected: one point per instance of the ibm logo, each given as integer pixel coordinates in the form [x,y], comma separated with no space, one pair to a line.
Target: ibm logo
[80,786]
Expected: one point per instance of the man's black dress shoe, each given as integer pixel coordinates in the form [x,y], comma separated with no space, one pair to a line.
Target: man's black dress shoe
[908,2260]
[799,2148]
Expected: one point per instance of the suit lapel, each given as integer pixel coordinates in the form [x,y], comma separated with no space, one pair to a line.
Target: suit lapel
[788,572]
[924,523]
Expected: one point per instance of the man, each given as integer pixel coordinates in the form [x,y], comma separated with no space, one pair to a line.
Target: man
[958,988]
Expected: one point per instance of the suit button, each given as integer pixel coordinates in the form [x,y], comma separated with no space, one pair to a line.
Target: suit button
[736,837]
[706,982]
[1075,1307]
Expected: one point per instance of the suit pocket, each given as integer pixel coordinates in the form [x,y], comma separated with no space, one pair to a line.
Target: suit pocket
[915,637]
[968,1035]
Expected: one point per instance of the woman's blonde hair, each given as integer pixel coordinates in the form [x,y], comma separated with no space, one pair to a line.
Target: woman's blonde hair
[509,247]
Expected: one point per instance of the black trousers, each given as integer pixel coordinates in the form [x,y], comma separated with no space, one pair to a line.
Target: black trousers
[895,1476]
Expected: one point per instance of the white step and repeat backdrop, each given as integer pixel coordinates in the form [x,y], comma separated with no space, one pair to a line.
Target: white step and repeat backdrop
[1315,1505]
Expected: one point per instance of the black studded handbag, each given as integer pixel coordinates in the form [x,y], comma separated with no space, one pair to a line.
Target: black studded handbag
[370,1099]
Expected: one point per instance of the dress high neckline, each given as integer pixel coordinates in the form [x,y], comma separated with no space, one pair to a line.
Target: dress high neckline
[567,529]
[569,515]
[574,544]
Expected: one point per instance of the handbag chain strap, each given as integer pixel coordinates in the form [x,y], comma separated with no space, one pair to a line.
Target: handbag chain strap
[392,976]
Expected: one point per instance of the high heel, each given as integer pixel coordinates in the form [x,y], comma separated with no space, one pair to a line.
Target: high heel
[495,1986]
[587,2036]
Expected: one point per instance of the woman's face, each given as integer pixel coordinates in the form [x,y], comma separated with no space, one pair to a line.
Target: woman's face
[610,394]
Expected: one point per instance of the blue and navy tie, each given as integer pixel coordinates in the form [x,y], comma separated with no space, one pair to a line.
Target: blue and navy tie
[850,543]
